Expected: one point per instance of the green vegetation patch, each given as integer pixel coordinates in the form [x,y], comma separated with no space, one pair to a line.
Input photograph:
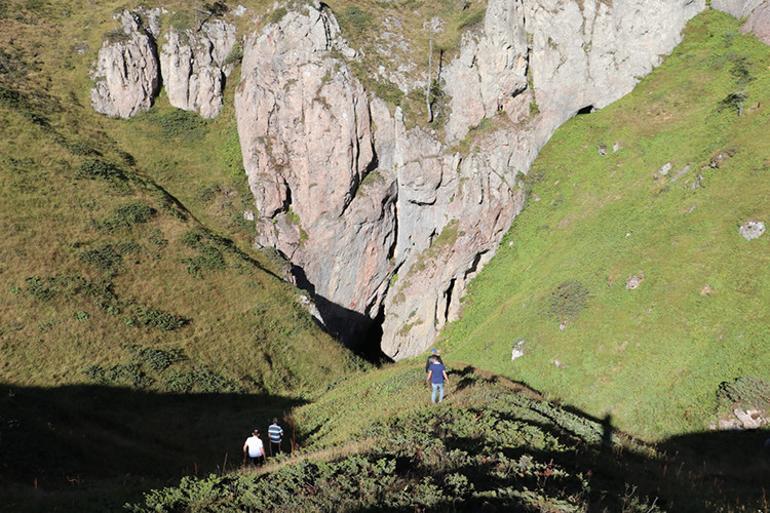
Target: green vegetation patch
[678,299]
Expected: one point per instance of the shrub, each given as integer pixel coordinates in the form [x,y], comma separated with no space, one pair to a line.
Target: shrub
[157,319]
[201,380]
[130,374]
[129,215]
[39,288]
[235,56]
[107,258]
[734,102]
[178,123]
[97,168]
[568,300]
[157,359]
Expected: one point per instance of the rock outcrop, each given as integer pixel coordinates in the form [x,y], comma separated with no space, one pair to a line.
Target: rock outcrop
[389,222]
[755,12]
[194,66]
[758,22]
[127,71]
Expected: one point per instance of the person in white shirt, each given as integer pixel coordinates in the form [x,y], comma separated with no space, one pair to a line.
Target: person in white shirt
[254,449]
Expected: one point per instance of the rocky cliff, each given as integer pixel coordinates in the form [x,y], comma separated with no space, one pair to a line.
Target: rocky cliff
[385,221]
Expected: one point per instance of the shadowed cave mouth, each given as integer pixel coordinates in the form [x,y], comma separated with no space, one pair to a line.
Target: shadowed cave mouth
[359,332]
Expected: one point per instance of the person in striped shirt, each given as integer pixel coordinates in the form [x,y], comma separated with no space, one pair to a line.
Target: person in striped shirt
[275,434]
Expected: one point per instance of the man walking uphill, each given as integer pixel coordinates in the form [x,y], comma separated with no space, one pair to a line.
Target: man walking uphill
[437,378]
[254,449]
[275,433]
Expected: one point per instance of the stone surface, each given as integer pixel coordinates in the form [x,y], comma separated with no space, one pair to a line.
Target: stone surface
[518,350]
[751,230]
[738,8]
[490,70]
[758,22]
[126,73]
[633,282]
[387,222]
[755,12]
[194,66]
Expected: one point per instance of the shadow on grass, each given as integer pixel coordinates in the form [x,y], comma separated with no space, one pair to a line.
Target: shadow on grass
[92,448]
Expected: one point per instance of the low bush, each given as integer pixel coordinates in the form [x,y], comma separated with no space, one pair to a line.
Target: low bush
[158,319]
[128,215]
[97,168]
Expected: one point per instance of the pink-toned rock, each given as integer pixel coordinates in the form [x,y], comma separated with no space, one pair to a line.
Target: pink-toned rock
[758,22]
[127,73]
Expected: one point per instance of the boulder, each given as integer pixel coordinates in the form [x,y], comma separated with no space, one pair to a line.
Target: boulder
[751,230]
[127,73]
[194,66]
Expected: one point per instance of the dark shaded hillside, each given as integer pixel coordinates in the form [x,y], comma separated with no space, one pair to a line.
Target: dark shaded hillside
[91,448]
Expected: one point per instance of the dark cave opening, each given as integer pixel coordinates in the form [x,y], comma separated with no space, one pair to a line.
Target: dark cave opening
[359,332]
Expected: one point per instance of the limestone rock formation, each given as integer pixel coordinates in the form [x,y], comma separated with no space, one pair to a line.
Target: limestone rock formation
[758,22]
[385,221]
[306,136]
[194,66]
[738,8]
[755,12]
[127,72]
[490,70]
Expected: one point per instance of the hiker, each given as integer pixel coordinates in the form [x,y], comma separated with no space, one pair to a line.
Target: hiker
[254,449]
[437,378]
[275,434]
[434,354]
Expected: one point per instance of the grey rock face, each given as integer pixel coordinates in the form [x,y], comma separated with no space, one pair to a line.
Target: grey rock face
[379,218]
[751,230]
[758,22]
[306,136]
[755,12]
[490,70]
[194,68]
[127,72]
[738,8]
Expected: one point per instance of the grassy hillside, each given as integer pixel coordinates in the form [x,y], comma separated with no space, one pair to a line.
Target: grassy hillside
[653,356]
[115,291]
[376,444]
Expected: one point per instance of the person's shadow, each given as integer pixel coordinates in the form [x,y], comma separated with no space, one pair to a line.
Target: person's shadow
[607,433]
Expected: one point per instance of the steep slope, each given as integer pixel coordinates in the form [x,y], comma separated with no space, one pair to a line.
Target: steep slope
[115,293]
[376,444]
[627,277]
[99,259]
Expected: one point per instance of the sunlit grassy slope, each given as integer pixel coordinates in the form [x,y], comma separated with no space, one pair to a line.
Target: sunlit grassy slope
[117,271]
[652,357]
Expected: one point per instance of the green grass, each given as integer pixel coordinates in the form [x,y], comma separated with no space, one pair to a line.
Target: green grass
[128,275]
[374,443]
[653,357]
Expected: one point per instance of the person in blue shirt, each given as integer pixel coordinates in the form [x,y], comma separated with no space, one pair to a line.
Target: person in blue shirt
[437,378]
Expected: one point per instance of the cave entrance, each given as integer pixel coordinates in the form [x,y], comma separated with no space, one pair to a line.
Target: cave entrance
[359,332]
